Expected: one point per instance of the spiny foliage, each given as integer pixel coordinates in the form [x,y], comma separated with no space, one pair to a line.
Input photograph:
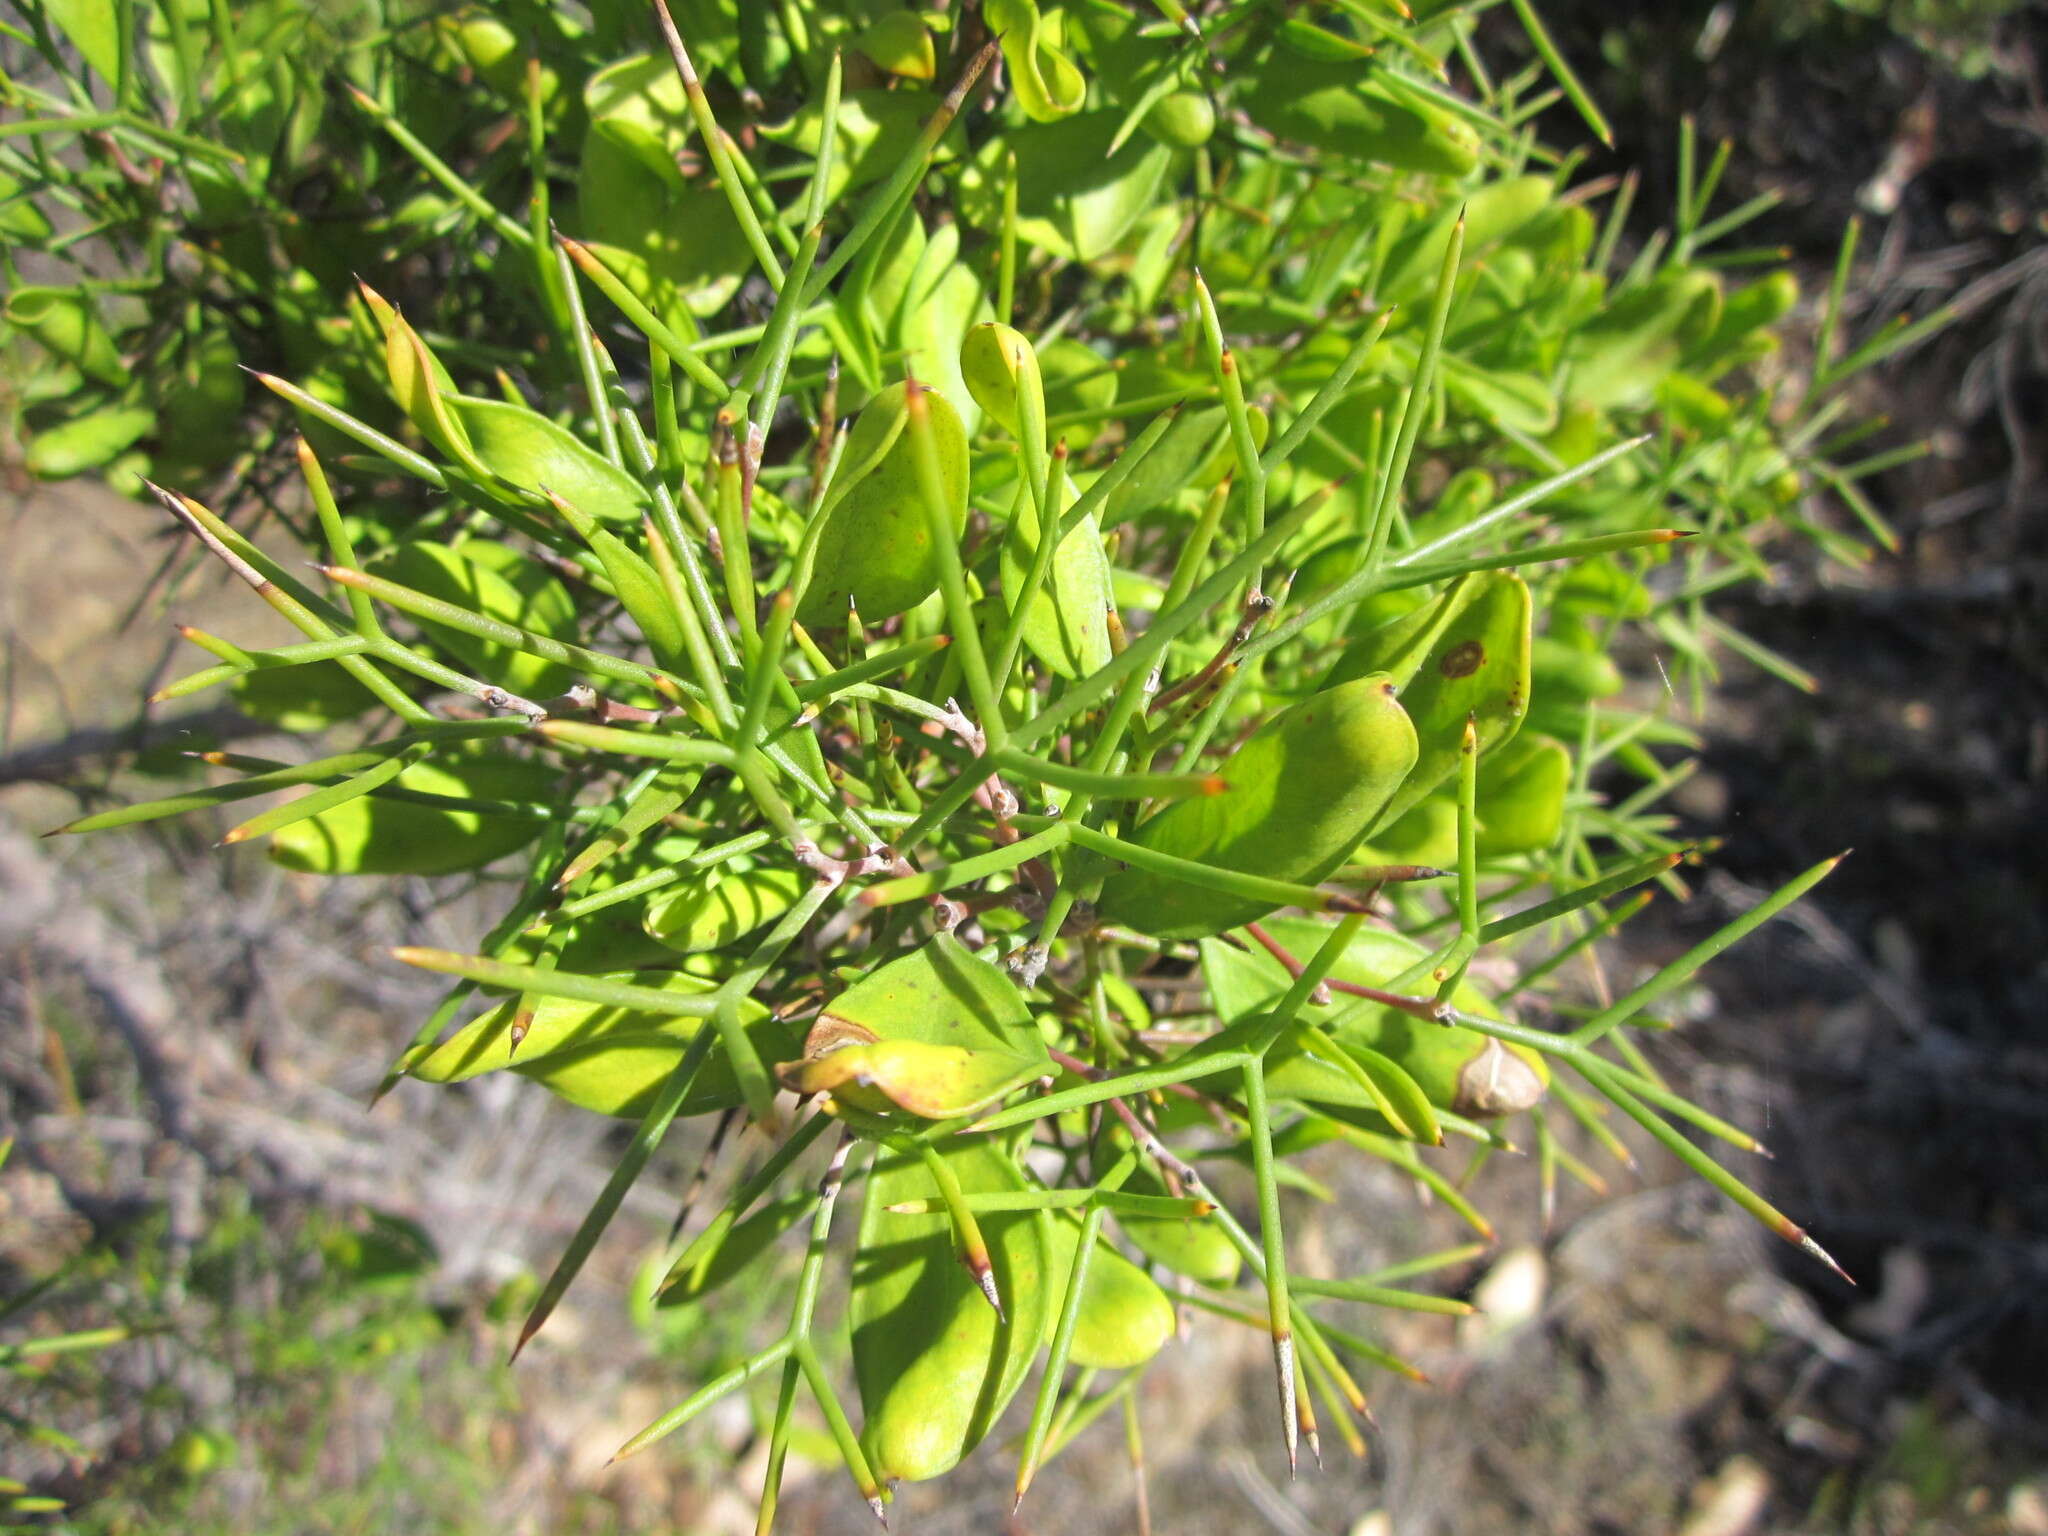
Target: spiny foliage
[944,529]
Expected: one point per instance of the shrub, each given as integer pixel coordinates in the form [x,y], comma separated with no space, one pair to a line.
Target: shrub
[933,531]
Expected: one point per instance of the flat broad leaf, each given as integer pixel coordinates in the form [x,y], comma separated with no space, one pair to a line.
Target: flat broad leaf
[373,836]
[1201,1250]
[599,1057]
[875,549]
[638,104]
[1067,626]
[938,1033]
[1298,796]
[1522,790]
[1125,1319]
[1464,656]
[936,1366]
[1074,198]
[873,131]
[536,454]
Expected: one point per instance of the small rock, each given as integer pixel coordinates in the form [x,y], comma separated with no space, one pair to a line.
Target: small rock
[1511,1295]
[2026,1509]
[1730,1502]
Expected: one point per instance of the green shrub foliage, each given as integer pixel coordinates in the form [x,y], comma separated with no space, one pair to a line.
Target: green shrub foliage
[899,543]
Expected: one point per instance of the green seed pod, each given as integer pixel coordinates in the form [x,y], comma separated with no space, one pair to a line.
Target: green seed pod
[609,1060]
[86,442]
[372,836]
[197,1453]
[1182,119]
[935,1364]
[1302,793]
[1125,1318]
[874,549]
[1000,367]
[1456,1068]
[722,910]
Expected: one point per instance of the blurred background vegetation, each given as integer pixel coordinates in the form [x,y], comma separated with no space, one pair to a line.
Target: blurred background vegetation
[185,1053]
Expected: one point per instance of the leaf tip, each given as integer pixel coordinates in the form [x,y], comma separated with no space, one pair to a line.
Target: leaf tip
[1283,1365]
[1800,1236]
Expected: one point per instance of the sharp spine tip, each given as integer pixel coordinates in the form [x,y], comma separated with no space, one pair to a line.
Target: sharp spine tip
[1823,1255]
[1283,1365]
[986,1279]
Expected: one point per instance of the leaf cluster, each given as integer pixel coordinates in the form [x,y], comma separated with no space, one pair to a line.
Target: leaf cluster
[1014,595]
